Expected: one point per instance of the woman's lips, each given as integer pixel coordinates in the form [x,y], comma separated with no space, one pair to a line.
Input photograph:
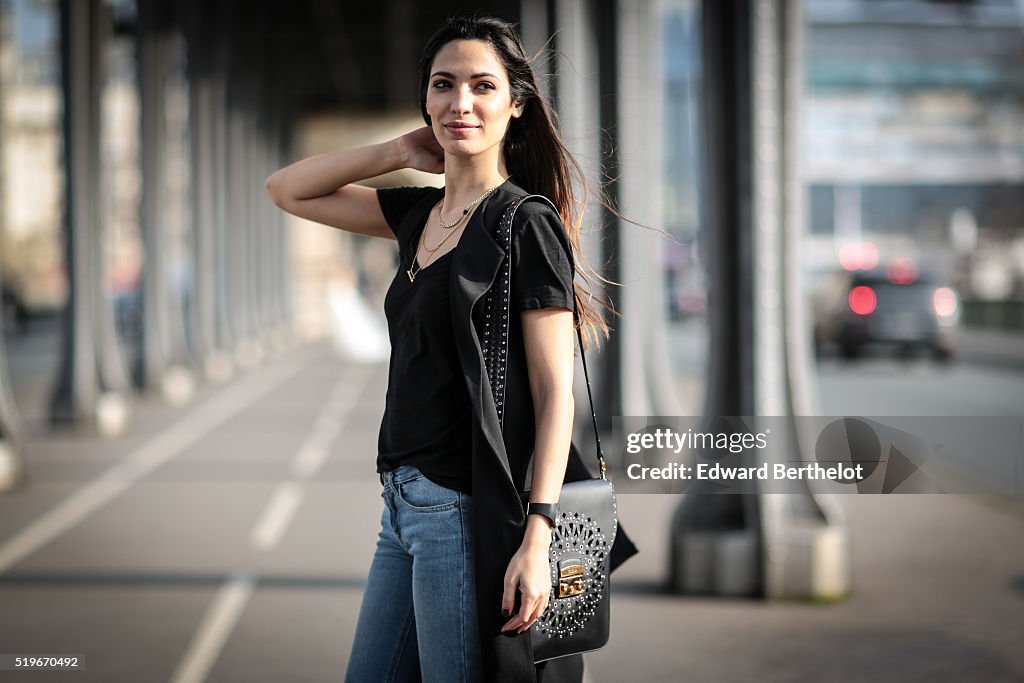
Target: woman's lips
[460,129]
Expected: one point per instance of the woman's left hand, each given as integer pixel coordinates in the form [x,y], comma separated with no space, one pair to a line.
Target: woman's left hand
[529,572]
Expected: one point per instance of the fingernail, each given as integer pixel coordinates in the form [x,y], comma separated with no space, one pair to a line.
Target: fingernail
[504,612]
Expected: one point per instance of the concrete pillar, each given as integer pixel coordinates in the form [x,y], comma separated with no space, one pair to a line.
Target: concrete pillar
[149,51]
[92,384]
[164,363]
[264,270]
[259,206]
[220,363]
[647,388]
[199,39]
[12,465]
[806,544]
[275,274]
[704,524]
[239,229]
[780,545]
[271,264]
[282,152]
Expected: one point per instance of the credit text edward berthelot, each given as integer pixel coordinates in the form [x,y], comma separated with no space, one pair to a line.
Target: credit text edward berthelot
[663,440]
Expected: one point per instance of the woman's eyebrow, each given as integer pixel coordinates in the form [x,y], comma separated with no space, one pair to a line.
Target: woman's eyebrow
[447,74]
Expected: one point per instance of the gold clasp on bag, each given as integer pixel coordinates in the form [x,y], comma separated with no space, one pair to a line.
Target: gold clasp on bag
[570,578]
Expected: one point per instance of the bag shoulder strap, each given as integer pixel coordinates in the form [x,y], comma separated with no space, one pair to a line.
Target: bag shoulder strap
[496,311]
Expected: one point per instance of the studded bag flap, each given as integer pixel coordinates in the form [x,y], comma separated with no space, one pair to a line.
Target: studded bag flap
[577,618]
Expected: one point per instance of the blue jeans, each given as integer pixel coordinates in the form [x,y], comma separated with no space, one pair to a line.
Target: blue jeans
[418,618]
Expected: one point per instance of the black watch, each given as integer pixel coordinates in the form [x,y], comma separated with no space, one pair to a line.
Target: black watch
[549,510]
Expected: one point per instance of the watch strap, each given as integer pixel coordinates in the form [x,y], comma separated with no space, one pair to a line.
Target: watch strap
[549,510]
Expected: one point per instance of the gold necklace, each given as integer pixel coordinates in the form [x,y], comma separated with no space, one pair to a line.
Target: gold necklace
[423,239]
[465,212]
[415,268]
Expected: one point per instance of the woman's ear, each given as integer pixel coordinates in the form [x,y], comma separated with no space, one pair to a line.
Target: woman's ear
[517,109]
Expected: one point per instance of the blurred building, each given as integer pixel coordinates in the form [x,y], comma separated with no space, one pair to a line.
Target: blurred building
[30,160]
[914,137]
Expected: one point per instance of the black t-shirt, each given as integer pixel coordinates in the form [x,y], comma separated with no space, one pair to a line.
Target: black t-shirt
[427,415]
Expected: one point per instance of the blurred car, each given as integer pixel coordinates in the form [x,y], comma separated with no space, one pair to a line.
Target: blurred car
[892,306]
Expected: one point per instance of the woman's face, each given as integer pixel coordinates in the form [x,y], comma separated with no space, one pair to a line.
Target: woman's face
[468,98]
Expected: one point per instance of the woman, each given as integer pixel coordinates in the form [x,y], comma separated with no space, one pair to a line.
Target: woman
[461,573]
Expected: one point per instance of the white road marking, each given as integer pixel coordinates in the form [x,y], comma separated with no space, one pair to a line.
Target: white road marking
[312,454]
[310,459]
[271,527]
[314,451]
[199,422]
[214,630]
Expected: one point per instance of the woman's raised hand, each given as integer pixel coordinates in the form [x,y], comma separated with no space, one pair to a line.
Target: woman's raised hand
[422,150]
[324,188]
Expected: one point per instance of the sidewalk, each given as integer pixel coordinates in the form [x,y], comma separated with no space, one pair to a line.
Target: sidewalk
[938,596]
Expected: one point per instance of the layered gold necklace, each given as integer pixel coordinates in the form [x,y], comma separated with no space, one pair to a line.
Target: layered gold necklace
[415,267]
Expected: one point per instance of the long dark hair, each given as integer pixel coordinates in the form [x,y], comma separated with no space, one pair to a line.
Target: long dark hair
[535,155]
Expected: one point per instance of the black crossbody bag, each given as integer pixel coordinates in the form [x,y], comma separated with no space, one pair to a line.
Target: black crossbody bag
[577,618]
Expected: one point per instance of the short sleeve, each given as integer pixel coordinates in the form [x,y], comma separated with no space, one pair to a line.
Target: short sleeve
[542,273]
[397,202]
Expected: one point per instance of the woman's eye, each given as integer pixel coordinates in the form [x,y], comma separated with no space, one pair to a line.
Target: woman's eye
[486,86]
[441,84]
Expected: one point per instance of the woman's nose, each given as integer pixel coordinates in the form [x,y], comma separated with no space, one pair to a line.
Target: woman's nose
[462,101]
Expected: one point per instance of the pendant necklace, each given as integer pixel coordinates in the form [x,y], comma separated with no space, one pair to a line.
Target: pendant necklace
[415,267]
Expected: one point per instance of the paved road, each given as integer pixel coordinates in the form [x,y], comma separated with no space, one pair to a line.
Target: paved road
[229,540]
[885,386]
[986,378]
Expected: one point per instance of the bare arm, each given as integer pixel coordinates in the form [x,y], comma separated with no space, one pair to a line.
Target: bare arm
[549,341]
[322,188]
[548,338]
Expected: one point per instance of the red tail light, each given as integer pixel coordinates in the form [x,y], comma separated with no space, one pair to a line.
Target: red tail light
[901,271]
[858,256]
[862,300]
